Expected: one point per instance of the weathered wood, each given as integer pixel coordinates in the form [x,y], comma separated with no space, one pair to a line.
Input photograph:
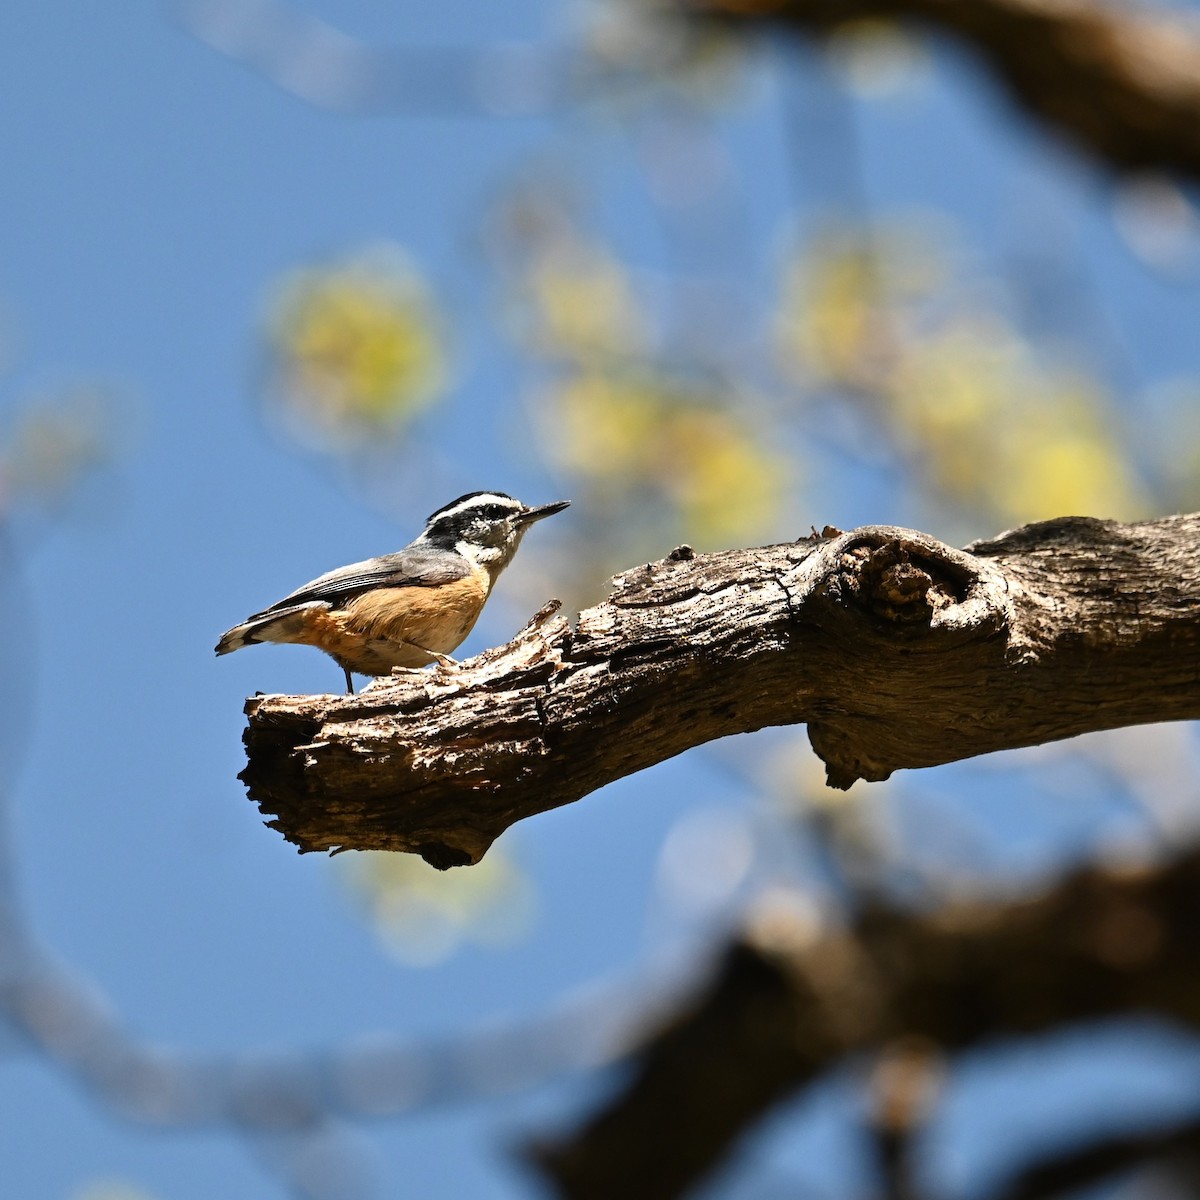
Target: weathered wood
[897,650]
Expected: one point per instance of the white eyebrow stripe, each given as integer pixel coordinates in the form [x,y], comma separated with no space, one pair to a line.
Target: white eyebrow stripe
[484,498]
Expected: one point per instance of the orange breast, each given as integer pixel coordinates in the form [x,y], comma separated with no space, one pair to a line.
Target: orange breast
[393,627]
[435,618]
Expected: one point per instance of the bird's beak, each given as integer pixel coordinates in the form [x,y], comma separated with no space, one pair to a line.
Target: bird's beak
[546,510]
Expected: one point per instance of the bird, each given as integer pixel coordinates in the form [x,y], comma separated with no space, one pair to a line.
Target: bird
[406,609]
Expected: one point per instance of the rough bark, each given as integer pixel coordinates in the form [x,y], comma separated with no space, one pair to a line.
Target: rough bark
[897,650]
[782,1009]
[1122,82]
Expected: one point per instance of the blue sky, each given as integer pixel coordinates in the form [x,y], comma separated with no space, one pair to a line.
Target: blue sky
[154,192]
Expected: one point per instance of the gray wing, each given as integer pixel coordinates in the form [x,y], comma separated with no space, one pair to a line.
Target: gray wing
[405,568]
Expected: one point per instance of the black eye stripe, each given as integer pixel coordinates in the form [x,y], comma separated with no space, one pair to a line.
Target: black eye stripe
[493,512]
[452,525]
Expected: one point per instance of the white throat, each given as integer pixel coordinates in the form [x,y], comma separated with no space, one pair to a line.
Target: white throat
[492,559]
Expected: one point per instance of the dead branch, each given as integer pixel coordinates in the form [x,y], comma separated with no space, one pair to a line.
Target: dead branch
[897,650]
[1121,81]
[784,1008]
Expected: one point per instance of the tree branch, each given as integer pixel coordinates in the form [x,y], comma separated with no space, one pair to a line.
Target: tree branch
[1175,1146]
[784,1008]
[897,650]
[1124,83]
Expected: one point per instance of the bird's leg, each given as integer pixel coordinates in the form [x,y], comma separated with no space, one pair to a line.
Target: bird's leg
[442,659]
[349,682]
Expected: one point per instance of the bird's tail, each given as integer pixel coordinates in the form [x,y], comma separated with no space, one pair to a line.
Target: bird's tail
[278,625]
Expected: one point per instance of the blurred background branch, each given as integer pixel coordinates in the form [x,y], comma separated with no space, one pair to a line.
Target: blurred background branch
[786,1005]
[1121,81]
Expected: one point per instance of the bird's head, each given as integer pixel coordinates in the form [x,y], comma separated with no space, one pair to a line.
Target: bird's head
[486,527]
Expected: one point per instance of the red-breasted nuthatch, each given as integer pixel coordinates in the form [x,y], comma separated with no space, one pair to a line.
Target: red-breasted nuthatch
[406,609]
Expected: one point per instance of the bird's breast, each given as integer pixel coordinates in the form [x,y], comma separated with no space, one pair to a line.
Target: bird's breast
[434,618]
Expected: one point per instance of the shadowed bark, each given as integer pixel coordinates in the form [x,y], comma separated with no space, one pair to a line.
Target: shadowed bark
[898,651]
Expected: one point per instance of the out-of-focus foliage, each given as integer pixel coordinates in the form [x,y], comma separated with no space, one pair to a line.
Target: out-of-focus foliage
[984,417]
[355,349]
[638,47]
[54,440]
[577,303]
[111,1189]
[1160,225]
[877,57]
[649,446]
[641,441]
[422,916]
[1178,402]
